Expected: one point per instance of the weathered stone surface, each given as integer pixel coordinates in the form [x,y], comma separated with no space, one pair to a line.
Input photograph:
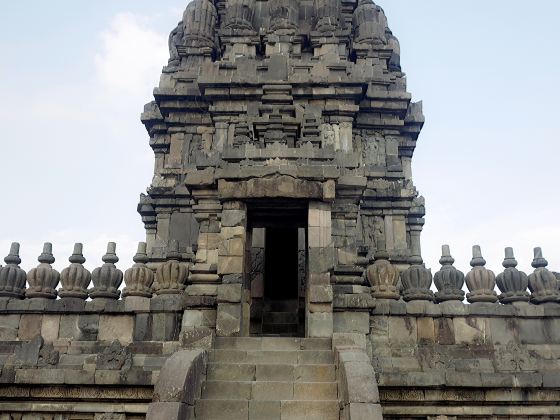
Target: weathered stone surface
[12,277]
[383,277]
[114,357]
[44,279]
[480,281]
[107,278]
[139,278]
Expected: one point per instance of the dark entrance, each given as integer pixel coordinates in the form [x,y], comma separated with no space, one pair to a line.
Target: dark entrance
[277,264]
[281,264]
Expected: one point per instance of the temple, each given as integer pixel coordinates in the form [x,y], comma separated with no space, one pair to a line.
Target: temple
[282,274]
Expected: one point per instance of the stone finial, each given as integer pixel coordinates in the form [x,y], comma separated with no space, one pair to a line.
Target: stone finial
[448,280]
[383,277]
[171,277]
[107,278]
[416,282]
[199,24]
[75,278]
[480,281]
[43,279]
[369,23]
[284,14]
[175,40]
[512,282]
[327,15]
[12,277]
[543,284]
[139,278]
[239,15]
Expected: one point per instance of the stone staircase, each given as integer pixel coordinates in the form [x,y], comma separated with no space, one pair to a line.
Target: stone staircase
[282,318]
[269,378]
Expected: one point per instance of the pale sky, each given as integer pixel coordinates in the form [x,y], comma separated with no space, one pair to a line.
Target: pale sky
[74,157]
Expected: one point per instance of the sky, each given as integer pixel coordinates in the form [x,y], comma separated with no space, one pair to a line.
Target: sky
[74,156]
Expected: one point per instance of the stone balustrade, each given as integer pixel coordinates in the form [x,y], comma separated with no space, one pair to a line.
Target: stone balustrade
[170,278]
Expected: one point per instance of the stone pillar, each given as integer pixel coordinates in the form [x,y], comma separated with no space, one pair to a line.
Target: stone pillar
[319,301]
[231,266]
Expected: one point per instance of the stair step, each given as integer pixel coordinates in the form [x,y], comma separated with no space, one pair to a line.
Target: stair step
[271,372]
[273,343]
[269,410]
[281,306]
[269,390]
[301,357]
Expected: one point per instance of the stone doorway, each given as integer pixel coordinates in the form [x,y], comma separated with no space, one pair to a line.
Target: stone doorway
[277,275]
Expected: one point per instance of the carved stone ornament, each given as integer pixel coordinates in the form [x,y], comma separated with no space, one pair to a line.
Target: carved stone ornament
[327,15]
[12,277]
[284,15]
[369,23]
[171,277]
[199,22]
[139,278]
[75,278]
[107,278]
[383,277]
[512,282]
[543,284]
[416,282]
[239,15]
[480,281]
[43,279]
[448,280]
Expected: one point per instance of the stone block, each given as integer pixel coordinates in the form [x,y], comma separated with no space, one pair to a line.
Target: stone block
[349,340]
[78,377]
[360,411]
[165,326]
[321,260]
[230,293]
[199,318]
[320,324]
[320,294]
[232,218]
[426,330]
[444,331]
[49,327]
[470,330]
[202,290]
[143,326]
[228,320]
[264,410]
[9,325]
[315,391]
[310,410]
[29,326]
[272,391]
[351,322]
[39,376]
[403,330]
[116,328]
[222,409]
[137,304]
[319,279]
[274,373]
[230,265]
[197,338]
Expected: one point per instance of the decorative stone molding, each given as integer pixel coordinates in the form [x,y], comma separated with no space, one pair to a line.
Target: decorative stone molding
[43,279]
[449,281]
[542,282]
[12,277]
[383,277]
[416,282]
[512,282]
[480,281]
[107,279]
[171,277]
[75,279]
[139,278]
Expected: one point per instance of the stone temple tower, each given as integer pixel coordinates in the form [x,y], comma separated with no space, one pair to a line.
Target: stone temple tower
[283,137]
